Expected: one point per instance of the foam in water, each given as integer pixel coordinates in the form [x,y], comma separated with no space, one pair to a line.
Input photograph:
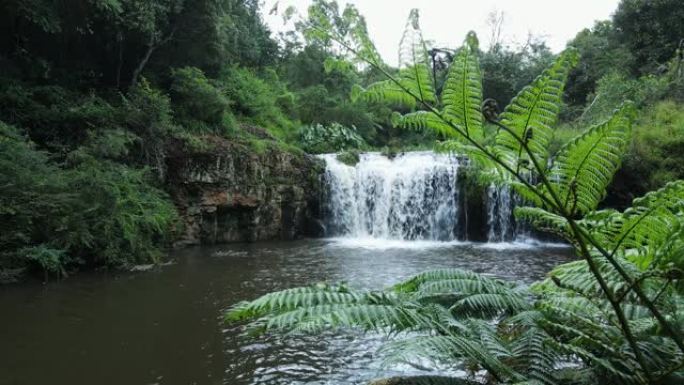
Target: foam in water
[411,197]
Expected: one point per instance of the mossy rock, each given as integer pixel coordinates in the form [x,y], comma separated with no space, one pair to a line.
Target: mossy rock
[350,158]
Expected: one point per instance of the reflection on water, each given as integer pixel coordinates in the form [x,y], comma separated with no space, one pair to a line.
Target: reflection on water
[164,327]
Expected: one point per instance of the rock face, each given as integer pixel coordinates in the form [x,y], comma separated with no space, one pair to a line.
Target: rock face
[233,193]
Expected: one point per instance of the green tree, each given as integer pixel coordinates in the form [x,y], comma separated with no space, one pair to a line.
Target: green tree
[600,53]
[651,30]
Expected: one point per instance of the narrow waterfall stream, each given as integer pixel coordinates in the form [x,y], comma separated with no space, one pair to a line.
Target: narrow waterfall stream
[500,224]
[414,196]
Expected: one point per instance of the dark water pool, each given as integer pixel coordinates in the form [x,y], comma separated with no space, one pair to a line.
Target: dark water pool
[164,326]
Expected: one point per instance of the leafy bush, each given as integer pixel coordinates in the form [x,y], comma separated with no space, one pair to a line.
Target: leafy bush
[613,89]
[350,158]
[199,104]
[54,117]
[258,100]
[318,139]
[94,212]
[657,154]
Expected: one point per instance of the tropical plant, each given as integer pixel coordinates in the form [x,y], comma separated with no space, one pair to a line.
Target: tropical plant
[317,138]
[615,316]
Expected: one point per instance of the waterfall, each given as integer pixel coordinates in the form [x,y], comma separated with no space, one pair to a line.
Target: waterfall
[413,196]
[501,225]
[500,202]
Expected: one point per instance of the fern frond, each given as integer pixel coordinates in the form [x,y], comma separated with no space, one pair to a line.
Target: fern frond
[424,380]
[544,221]
[622,370]
[293,298]
[491,305]
[465,286]
[649,231]
[363,316]
[585,166]
[412,284]
[414,84]
[462,95]
[425,120]
[533,357]
[413,61]
[534,111]
[445,349]
[385,91]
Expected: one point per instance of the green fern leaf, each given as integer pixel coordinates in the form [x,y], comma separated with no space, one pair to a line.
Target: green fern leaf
[425,120]
[491,305]
[462,95]
[585,166]
[534,111]
[412,284]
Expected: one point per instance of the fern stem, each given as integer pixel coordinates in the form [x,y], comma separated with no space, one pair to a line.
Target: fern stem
[664,323]
[624,324]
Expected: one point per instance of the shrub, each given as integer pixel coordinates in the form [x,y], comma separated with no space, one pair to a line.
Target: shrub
[200,105]
[613,89]
[257,100]
[657,154]
[96,212]
[318,139]
[350,158]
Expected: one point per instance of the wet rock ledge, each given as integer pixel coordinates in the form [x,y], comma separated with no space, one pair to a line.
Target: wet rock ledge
[234,192]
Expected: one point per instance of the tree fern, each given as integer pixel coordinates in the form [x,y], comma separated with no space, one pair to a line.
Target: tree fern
[648,231]
[414,85]
[462,95]
[532,114]
[585,166]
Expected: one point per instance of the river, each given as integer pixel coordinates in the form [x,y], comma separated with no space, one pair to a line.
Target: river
[165,327]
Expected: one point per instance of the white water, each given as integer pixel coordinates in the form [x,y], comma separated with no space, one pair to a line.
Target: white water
[501,227]
[411,197]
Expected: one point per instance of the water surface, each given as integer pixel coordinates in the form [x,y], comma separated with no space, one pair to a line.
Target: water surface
[164,326]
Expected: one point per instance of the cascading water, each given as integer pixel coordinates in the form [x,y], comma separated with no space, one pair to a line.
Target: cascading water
[414,196]
[411,197]
[500,202]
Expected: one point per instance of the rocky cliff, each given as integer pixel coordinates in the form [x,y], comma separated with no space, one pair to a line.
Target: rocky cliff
[232,192]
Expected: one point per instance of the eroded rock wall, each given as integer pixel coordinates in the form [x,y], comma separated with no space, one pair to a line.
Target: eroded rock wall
[232,193]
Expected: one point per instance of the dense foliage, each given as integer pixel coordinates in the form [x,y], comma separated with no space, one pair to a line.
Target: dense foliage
[615,316]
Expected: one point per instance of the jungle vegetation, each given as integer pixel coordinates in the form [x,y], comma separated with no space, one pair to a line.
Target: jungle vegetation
[95,94]
[615,316]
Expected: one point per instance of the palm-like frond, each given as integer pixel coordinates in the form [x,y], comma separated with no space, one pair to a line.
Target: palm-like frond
[413,60]
[414,85]
[649,230]
[532,114]
[585,166]
[290,299]
[413,284]
[446,349]
[462,95]
[425,120]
